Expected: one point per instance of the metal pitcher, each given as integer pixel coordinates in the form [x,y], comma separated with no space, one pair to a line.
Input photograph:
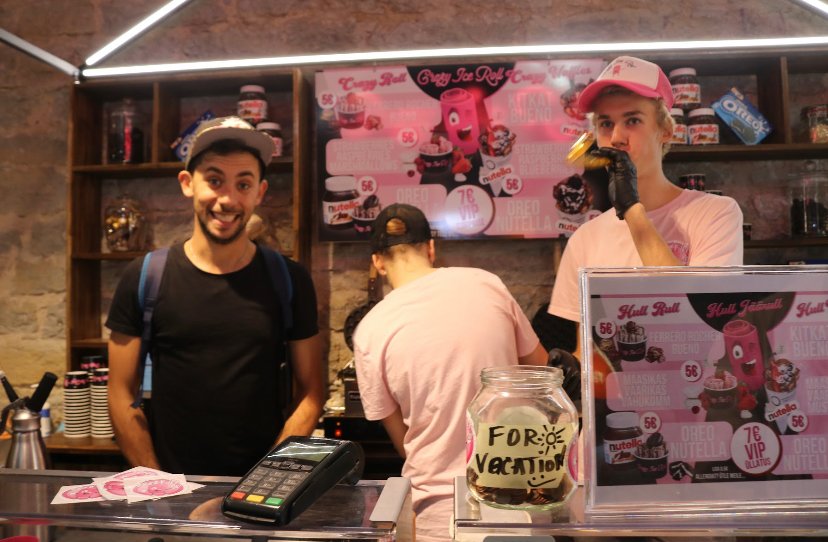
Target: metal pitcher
[27,450]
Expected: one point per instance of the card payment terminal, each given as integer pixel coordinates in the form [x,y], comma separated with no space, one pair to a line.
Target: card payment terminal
[291,477]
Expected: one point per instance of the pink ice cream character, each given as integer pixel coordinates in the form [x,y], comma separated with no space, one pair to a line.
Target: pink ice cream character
[460,119]
[745,354]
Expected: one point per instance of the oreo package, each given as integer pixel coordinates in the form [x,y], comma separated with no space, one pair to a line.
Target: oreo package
[742,117]
[181,145]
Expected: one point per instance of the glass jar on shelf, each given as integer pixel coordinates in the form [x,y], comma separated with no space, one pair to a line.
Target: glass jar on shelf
[126,228]
[521,431]
[125,139]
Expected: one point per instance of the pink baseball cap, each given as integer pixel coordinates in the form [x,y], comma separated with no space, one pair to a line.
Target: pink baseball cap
[642,77]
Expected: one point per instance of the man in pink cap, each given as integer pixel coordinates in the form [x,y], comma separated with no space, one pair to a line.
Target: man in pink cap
[654,222]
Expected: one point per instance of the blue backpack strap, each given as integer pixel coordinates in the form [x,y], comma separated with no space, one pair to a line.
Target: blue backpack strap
[151,271]
[277,269]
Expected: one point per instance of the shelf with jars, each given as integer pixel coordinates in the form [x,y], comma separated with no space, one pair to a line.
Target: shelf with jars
[123,193]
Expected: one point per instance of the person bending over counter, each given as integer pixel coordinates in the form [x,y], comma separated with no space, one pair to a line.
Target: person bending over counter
[419,353]
[218,328]
[653,222]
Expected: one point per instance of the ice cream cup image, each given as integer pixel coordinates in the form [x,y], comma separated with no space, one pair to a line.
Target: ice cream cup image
[744,352]
[632,342]
[720,390]
[350,111]
[651,457]
[436,156]
[651,467]
[365,214]
[775,407]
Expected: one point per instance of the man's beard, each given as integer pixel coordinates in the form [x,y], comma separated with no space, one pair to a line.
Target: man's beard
[219,240]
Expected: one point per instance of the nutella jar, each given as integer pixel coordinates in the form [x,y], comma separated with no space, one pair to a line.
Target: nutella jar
[252,104]
[622,437]
[703,128]
[339,201]
[521,431]
[275,132]
[680,128]
[686,88]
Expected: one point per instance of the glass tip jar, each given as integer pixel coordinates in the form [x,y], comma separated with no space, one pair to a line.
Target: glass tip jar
[521,431]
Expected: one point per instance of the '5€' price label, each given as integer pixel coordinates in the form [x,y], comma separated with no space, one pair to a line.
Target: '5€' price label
[326,100]
[367,186]
[605,328]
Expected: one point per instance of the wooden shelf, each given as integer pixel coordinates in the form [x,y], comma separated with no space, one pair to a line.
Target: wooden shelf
[58,442]
[769,151]
[126,256]
[89,343]
[283,164]
[790,242]
[166,104]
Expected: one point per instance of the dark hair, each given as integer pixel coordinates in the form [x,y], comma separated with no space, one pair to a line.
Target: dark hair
[223,147]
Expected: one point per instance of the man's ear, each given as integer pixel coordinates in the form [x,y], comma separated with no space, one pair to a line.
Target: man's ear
[432,252]
[185,181]
[379,263]
[262,190]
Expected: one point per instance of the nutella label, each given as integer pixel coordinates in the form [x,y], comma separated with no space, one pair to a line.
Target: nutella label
[252,111]
[703,134]
[686,94]
[620,452]
[679,135]
[339,213]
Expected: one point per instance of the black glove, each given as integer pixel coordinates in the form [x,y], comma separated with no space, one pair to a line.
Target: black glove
[623,179]
[571,368]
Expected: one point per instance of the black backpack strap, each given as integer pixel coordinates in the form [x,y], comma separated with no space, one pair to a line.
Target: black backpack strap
[151,273]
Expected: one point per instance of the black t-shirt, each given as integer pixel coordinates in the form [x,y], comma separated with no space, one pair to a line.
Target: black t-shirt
[217,341]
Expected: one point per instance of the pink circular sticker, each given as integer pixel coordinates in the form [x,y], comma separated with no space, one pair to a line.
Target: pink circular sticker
[755,448]
[469,210]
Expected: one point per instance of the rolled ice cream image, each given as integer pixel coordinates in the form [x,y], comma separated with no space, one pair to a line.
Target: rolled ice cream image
[651,456]
[632,341]
[744,352]
[460,119]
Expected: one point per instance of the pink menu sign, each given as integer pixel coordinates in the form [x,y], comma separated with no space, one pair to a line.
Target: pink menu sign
[707,385]
[479,148]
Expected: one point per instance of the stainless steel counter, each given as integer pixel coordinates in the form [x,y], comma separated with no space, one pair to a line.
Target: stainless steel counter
[343,513]
[474,522]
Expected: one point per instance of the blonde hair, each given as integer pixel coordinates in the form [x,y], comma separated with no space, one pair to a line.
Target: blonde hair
[664,119]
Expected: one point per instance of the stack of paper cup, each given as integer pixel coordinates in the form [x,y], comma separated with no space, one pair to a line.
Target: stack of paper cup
[76,404]
[101,425]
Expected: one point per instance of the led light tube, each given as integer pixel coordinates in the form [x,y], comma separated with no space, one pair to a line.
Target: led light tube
[135,31]
[817,5]
[413,54]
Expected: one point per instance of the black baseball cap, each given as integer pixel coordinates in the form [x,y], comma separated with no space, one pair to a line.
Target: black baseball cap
[417,228]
